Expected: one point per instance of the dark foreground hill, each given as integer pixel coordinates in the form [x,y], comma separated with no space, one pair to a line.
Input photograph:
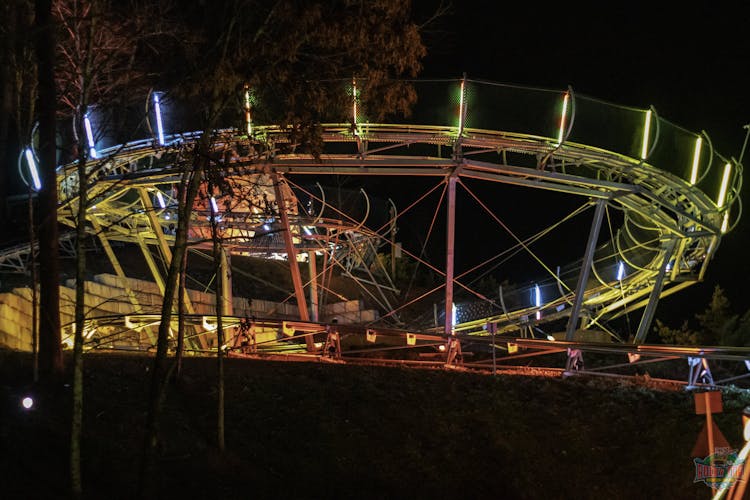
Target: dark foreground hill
[315,430]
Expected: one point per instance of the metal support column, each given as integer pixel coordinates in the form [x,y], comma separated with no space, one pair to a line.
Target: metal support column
[648,313]
[150,210]
[155,272]
[454,356]
[449,255]
[291,255]
[120,274]
[583,277]
[312,264]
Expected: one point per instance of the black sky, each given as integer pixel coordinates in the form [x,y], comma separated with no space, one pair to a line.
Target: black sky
[689,62]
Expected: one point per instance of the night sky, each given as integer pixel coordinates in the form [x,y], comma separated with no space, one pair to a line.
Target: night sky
[688,63]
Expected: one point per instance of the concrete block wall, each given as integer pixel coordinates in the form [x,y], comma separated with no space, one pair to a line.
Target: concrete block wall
[106,295]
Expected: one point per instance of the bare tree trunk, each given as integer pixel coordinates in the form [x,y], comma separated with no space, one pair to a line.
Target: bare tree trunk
[80,316]
[50,348]
[34,299]
[159,372]
[219,296]
[181,286]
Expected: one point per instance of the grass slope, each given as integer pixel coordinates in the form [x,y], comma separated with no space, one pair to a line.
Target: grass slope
[317,430]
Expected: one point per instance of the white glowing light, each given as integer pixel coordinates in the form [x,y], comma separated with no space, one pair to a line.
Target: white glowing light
[696,160]
[159,126]
[27,402]
[724,185]
[461,109]
[646,135]
[32,168]
[538,300]
[266,227]
[454,311]
[441,348]
[307,230]
[214,206]
[550,338]
[160,199]
[563,118]
[620,271]
[90,137]
[725,223]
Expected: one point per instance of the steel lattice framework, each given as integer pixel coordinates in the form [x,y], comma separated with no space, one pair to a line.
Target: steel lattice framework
[675,194]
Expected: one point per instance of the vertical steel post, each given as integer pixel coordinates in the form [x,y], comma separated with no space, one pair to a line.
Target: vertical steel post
[312,265]
[291,255]
[648,313]
[449,254]
[583,277]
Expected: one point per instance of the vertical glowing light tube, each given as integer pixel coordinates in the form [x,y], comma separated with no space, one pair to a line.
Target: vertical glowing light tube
[160,199]
[248,118]
[696,160]
[620,271]
[34,171]
[538,301]
[90,137]
[159,125]
[454,314]
[725,222]
[563,118]
[461,108]
[354,101]
[214,207]
[724,185]
[646,135]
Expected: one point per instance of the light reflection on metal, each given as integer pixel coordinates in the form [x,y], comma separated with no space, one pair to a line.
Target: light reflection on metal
[725,223]
[620,271]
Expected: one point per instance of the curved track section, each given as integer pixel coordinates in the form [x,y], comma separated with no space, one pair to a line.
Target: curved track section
[676,196]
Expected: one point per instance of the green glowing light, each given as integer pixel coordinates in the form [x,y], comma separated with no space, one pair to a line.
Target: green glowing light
[696,160]
[563,117]
[461,105]
[724,185]
[646,135]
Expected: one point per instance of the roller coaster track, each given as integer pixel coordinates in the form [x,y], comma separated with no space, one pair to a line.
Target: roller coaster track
[677,196]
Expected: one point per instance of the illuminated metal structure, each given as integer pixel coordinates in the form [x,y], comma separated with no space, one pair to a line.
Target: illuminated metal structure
[676,196]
